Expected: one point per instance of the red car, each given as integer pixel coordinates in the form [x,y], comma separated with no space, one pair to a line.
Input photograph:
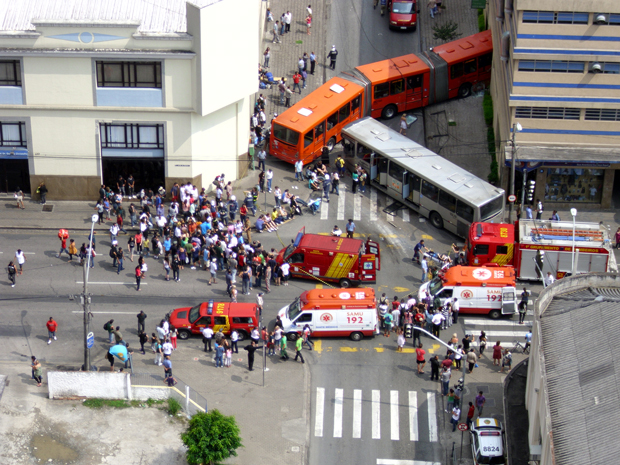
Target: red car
[403,14]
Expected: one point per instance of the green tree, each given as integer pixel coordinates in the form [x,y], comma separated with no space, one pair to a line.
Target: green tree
[210,438]
[446,32]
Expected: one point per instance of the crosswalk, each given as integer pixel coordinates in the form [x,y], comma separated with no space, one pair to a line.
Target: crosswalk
[392,409]
[507,331]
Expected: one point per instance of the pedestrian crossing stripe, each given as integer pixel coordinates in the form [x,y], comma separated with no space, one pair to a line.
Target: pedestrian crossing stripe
[412,414]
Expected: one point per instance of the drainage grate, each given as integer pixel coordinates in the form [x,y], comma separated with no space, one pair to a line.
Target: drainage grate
[48,208]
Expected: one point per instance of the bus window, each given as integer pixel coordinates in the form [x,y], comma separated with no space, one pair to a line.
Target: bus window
[430,190]
[470,66]
[382,90]
[465,211]
[395,171]
[447,201]
[414,82]
[414,182]
[355,104]
[318,131]
[285,134]
[456,71]
[484,62]
[308,138]
[382,164]
[344,112]
[362,151]
[332,121]
[397,87]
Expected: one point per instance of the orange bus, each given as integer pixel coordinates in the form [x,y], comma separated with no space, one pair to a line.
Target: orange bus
[380,89]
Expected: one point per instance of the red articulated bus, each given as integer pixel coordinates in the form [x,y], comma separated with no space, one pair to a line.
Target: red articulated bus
[380,89]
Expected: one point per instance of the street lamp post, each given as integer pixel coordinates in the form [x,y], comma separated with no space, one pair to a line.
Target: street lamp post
[516,127]
[573,212]
[85,296]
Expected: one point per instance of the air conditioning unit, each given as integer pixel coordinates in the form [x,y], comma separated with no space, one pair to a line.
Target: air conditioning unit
[600,19]
[596,68]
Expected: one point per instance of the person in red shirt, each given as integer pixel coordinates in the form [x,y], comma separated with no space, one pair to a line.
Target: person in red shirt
[296,79]
[470,414]
[421,361]
[63,246]
[51,330]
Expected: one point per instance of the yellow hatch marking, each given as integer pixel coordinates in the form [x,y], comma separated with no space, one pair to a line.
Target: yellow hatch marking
[408,351]
[319,286]
[318,345]
[379,349]
[427,237]
[434,348]
[348,349]
[400,289]
[389,236]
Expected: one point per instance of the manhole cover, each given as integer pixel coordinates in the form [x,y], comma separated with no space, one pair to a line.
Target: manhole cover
[48,208]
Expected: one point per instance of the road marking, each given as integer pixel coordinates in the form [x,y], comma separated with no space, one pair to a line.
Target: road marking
[324,210]
[376,414]
[357,207]
[320,410]
[318,346]
[373,205]
[432,416]
[357,413]
[427,237]
[348,349]
[318,286]
[388,236]
[111,283]
[413,416]
[394,415]
[407,350]
[400,289]
[404,462]
[434,348]
[406,218]
[105,313]
[338,400]
[341,201]
[379,349]
[486,322]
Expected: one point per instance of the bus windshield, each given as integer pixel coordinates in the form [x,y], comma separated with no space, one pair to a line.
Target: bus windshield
[403,8]
[294,309]
[194,313]
[492,208]
[285,134]
[435,286]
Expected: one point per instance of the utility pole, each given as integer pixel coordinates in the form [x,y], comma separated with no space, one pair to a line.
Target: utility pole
[516,127]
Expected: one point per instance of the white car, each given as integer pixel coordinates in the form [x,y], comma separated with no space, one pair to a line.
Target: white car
[487,442]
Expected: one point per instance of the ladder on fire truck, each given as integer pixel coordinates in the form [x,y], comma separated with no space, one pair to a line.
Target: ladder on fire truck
[586,233]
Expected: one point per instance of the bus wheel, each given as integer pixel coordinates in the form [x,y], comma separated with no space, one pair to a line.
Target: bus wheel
[465,90]
[495,314]
[292,336]
[183,334]
[344,282]
[436,220]
[356,336]
[389,112]
[331,143]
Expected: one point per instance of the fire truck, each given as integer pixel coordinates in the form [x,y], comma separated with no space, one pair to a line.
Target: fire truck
[335,259]
[536,247]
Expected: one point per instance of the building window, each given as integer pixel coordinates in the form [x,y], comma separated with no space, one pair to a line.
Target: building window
[597,114]
[10,73]
[548,113]
[13,134]
[132,136]
[608,68]
[129,74]
[574,185]
[607,19]
[552,66]
[550,17]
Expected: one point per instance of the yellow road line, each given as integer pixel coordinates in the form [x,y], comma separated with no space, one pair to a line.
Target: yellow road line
[348,349]
[318,346]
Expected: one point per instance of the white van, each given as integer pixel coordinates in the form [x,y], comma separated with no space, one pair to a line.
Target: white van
[332,313]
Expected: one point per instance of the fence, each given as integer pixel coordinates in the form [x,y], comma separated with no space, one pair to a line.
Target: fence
[190,400]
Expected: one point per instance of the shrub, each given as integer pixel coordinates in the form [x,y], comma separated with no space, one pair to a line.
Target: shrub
[446,32]
[210,438]
[174,406]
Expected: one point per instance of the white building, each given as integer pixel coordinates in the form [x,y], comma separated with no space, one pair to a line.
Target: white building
[90,90]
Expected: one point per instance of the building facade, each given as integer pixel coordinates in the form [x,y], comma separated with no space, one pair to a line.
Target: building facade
[90,91]
[556,72]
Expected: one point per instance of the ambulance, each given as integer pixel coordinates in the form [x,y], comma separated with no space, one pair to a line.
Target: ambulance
[479,289]
[334,259]
[537,247]
[331,313]
[224,316]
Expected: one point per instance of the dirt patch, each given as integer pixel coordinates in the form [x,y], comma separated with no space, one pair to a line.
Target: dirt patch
[47,449]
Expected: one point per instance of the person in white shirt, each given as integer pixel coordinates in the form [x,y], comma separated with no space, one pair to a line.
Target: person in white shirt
[207,336]
[336,231]
[277,336]
[167,347]
[299,168]
[234,337]
[456,306]
[549,279]
[411,302]
[21,259]
[285,267]
[269,178]
[424,265]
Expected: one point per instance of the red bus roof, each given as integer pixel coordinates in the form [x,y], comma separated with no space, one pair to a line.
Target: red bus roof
[501,233]
[467,47]
[319,104]
[388,69]
[331,243]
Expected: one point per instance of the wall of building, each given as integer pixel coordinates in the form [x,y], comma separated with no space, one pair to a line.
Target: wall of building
[104,385]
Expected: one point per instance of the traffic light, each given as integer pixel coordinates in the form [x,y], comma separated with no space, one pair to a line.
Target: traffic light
[531,186]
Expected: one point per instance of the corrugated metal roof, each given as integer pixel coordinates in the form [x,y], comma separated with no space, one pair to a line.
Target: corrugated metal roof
[155,16]
[579,339]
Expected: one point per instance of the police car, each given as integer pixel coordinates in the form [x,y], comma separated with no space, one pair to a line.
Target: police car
[487,442]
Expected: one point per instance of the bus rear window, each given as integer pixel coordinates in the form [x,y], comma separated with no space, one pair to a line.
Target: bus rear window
[492,208]
[285,134]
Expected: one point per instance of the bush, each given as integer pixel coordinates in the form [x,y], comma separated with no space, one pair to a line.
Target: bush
[487,106]
[482,23]
[174,406]
[494,174]
[210,438]
[100,403]
[446,32]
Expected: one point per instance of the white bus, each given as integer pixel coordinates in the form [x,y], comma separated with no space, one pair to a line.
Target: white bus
[451,197]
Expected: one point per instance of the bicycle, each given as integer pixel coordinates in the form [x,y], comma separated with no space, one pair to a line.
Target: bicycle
[520,348]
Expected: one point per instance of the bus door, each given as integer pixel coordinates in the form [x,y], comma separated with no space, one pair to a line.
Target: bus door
[373,167]
[414,91]
[447,210]
[319,139]
[395,180]
[414,188]
[405,184]
[380,169]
